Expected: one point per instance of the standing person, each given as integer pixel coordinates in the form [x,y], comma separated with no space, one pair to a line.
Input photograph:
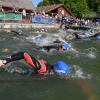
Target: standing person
[24,15]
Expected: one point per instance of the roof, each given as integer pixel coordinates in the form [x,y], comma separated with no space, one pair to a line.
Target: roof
[27,4]
[51,7]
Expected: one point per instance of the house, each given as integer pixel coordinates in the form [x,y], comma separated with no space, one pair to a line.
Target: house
[55,9]
[19,5]
[13,10]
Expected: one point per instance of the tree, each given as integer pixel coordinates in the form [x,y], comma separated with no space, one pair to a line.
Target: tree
[49,2]
[98,10]
[94,4]
[44,3]
[78,7]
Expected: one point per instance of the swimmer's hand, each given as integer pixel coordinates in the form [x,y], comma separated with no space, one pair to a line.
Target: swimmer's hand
[1,64]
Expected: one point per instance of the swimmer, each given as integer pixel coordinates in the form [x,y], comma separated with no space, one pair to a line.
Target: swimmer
[64,46]
[18,32]
[61,45]
[85,35]
[39,65]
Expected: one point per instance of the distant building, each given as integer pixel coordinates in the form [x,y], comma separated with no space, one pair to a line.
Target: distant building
[18,5]
[55,9]
[16,10]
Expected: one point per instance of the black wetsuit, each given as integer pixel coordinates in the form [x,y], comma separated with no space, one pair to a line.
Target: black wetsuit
[34,61]
[19,56]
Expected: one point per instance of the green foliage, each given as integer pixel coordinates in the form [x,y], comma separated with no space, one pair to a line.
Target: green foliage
[44,3]
[94,4]
[49,2]
[78,7]
[98,10]
[90,14]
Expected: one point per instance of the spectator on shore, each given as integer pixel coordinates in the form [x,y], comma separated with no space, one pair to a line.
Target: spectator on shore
[1,9]
[24,15]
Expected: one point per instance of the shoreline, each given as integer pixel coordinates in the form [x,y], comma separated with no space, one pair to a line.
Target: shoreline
[9,26]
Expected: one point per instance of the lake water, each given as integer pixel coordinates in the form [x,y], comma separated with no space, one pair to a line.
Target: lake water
[84,86]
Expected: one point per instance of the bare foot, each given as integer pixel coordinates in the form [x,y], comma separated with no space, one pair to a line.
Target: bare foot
[1,63]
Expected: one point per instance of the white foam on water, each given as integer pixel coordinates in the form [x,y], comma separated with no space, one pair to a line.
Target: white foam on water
[74,50]
[92,53]
[79,73]
[13,68]
[30,39]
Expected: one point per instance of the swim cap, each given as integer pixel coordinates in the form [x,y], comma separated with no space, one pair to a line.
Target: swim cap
[19,31]
[98,36]
[38,39]
[66,46]
[62,67]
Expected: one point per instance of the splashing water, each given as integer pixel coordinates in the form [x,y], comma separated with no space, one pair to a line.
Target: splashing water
[92,53]
[18,67]
[78,73]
